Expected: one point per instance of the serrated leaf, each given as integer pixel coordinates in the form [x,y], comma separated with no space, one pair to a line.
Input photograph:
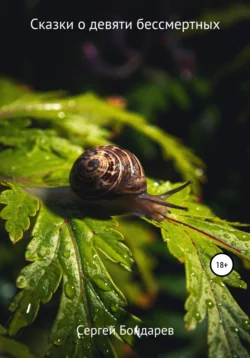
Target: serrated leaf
[18,208]
[66,250]
[194,240]
[43,159]
[137,292]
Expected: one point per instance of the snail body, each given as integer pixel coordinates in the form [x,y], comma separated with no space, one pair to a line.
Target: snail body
[113,179]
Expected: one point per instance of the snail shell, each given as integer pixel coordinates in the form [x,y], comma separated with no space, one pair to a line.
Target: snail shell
[106,172]
[113,179]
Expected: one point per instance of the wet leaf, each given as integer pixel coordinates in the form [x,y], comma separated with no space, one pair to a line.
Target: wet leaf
[194,237]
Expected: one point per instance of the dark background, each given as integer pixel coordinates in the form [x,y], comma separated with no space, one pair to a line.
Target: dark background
[194,85]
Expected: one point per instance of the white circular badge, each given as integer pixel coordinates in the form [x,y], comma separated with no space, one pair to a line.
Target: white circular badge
[221,265]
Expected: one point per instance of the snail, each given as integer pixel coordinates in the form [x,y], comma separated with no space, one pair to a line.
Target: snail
[115,178]
[112,179]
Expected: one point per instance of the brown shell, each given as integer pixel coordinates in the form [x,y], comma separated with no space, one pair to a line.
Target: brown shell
[105,172]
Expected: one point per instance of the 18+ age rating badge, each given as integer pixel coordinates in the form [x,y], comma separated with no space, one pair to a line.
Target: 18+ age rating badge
[221,265]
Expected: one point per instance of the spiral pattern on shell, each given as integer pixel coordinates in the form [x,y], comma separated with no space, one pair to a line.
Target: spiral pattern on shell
[105,172]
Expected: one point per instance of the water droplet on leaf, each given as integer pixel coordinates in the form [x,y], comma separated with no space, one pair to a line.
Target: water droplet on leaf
[20,280]
[28,253]
[114,307]
[209,303]
[243,285]
[100,283]
[66,254]
[58,342]
[69,290]
[71,103]
[197,316]
[245,322]
[41,252]
[61,115]
[199,172]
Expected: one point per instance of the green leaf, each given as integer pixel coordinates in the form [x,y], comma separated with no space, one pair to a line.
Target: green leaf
[67,250]
[12,348]
[193,238]
[87,120]
[140,293]
[19,207]
[43,158]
